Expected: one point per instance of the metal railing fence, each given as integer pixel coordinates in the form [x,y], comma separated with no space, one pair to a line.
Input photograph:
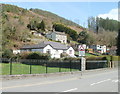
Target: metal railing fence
[24,66]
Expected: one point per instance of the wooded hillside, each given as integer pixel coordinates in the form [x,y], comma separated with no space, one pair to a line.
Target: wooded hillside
[18,22]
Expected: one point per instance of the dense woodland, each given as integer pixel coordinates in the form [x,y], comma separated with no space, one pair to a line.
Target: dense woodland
[95,23]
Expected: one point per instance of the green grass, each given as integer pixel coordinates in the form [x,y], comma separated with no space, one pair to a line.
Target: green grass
[18,68]
[74,42]
[88,54]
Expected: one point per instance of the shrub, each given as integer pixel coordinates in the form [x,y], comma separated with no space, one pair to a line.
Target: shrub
[7,53]
[35,55]
[71,58]
[64,55]
[24,55]
[55,59]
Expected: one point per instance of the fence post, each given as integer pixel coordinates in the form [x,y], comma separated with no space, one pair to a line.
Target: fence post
[70,66]
[59,66]
[80,65]
[112,66]
[46,68]
[30,69]
[11,66]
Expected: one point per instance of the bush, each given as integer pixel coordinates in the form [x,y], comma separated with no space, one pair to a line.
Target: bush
[71,58]
[24,55]
[64,54]
[7,53]
[35,55]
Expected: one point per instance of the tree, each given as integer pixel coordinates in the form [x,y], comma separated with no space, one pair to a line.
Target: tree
[42,25]
[107,24]
[118,44]
[62,28]
[32,25]
[82,37]
[86,38]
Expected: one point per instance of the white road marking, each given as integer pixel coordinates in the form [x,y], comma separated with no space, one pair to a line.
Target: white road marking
[99,82]
[70,90]
[115,81]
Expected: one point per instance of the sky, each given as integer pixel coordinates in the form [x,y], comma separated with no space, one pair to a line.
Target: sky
[75,11]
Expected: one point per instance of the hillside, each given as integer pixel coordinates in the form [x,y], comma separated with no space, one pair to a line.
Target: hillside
[15,22]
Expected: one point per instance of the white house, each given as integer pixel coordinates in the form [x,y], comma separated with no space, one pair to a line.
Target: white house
[57,36]
[53,48]
[16,51]
[33,32]
[99,48]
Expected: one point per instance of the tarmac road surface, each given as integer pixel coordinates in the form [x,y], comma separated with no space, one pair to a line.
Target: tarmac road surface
[93,81]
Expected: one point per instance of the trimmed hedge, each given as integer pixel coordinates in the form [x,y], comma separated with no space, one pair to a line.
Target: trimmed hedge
[96,58]
[35,55]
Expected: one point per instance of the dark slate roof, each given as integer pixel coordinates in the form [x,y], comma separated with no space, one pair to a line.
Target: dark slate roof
[55,45]
[60,33]
[57,32]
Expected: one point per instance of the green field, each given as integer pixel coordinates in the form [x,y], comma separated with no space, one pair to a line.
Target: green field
[86,54]
[18,68]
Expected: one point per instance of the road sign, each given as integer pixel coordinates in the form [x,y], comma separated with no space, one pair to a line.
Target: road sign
[81,50]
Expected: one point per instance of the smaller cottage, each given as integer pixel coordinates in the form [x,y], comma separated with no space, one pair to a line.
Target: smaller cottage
[33,32]
[57,36]
[16,51]
[53,48]
[99,48]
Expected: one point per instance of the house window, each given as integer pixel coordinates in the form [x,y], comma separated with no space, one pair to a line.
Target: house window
[70,51]
[64,51]
[48,51]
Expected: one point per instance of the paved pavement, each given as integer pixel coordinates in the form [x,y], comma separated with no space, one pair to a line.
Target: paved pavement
[91,81]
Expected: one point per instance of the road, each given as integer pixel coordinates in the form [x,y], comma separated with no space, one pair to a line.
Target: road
[92,81]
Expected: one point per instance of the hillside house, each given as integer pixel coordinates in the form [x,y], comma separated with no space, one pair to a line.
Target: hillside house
[33,32]
[53,48]
[57,36]
[16,51]
[98,48]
